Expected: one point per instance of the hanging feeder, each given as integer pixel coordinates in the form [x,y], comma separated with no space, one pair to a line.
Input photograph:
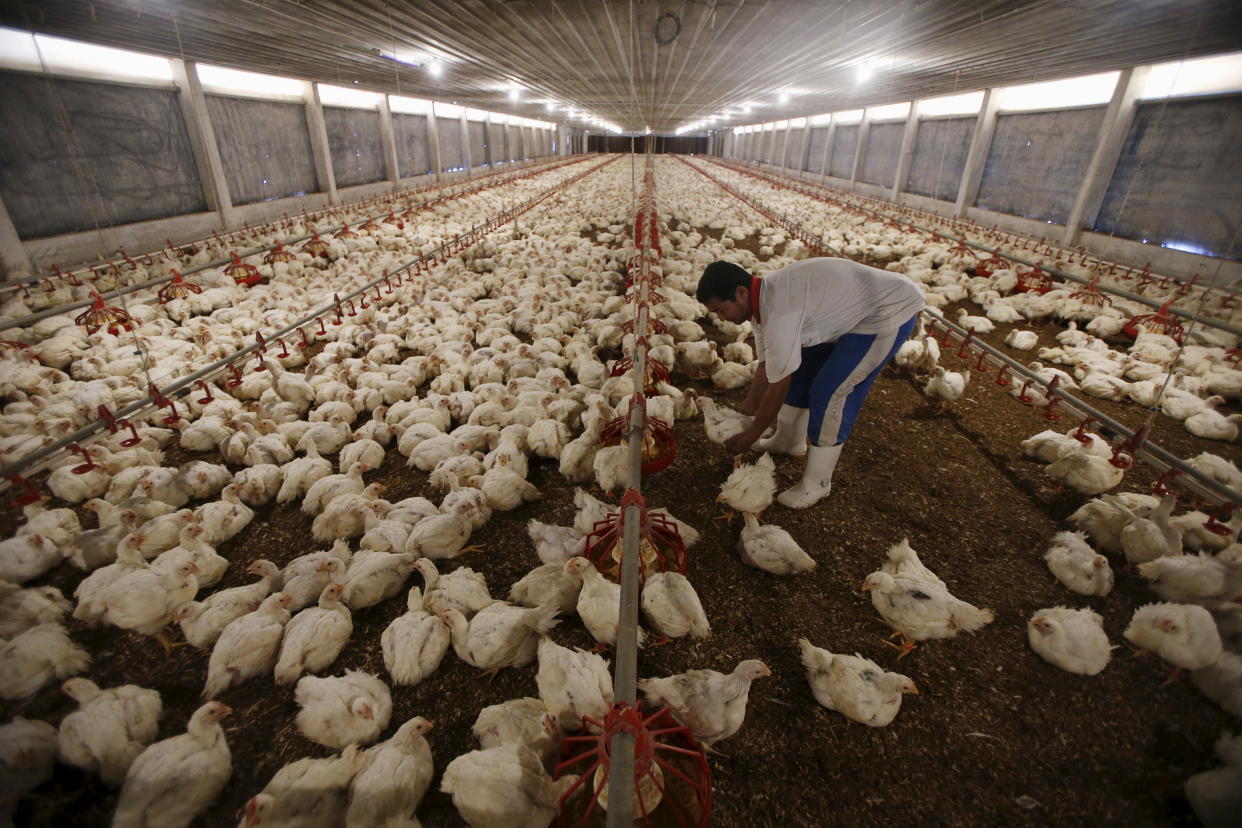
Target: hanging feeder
[1160,322]
[659,444]
[346,233]
[672,782]
[660,546]
[657,371]
[242,273]
[279,254]
[1034,280]
[178,288]
[1090,296]
[99,315]
[316,246]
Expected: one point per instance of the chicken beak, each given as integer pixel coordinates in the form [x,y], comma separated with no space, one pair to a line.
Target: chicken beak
[720,498]
[914,690]
[323,567]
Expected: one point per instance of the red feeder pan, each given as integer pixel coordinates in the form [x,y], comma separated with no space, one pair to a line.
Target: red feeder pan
[660,546]
[242,273]
[672,782]
[1161,322]
[98,315]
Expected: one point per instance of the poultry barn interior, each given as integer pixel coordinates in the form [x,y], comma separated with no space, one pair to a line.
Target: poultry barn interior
[363,436]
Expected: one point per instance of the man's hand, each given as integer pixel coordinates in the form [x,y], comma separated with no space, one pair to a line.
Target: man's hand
[741,442]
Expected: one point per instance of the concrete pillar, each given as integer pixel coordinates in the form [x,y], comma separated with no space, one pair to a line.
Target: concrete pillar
[14,261]
[980,143]
[319,142]
[1117,122]
[467,157]
[860,151]
[906,156]
[434,135]
[785,146]
[388,141]
[804,148]
[828,140]
[203,142]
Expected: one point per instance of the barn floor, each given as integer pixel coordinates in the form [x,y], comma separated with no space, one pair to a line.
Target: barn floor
[995,736]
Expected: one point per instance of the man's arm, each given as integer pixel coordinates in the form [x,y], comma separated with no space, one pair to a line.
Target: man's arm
[758,385]
[769,405]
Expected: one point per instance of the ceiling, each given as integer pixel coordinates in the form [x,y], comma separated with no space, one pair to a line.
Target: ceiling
[637,64]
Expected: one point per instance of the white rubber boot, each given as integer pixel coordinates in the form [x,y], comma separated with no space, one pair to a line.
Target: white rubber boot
[790,436]
[816,483]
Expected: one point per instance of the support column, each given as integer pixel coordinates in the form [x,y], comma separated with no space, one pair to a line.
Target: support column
[828,141]
[805,148]
[1117,122]
[14,261]
[203,142]
[467,157]
[860,151]
[785,147]
[388,141]
[319,142]
[906,156]
[433,130]
[980,143]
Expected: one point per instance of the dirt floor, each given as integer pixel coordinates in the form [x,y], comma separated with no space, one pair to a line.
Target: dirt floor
[996,736]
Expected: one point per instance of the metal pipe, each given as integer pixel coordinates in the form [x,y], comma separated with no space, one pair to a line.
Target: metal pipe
[181,387]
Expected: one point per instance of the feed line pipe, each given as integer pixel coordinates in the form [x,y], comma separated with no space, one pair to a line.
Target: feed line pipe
[1197,482]
[313,215]
[184,384]
[625,675]
[72,306]
[1124,294]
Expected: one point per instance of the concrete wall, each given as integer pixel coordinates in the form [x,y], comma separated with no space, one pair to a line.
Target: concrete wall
[1179,177]
[880,156]
[76,155]
[939,156]
[264,146]
[449,132]
[355,146]
[1037,162]
[413,144]
[815,152]
[478,143]
[844,145]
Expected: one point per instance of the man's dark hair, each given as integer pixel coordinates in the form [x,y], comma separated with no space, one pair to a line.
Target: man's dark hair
[720,281]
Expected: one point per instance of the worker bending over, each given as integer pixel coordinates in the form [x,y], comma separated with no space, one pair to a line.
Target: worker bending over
[823,330]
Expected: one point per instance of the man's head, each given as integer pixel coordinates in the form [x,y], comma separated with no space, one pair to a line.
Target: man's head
[725,289]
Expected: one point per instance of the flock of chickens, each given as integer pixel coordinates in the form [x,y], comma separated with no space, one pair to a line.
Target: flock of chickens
[468,378]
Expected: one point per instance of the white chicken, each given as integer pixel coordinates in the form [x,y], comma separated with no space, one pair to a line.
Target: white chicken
[27,755]
[109,729]
[203,621]
[1197,579]
[375,576]
[672,607]
[414,644]
[21,609]
[314,637]
[327,488]
[341,710]
[547,584]
[209,565]
[24,557]
[1072,639]
[1215,794]
[1222,682]
[1085,473]
[904,561]
[599,602]
[721,422]
[504,785]
[919,609]
[554,544]
[441,537]
[463,589]
[856,687]
[306,792]
[1182,634]
[302,473]
[750,487]
[772,549]
[393,779]
[523,721]
[946,386]
[172,781]
[143,599]
[611,465]
[1077,566]
[711,704]
[573,684]
[37,657]
[1022,340]
[506,490]
[500,635]
[1149,538]
[248,645]
[224,518]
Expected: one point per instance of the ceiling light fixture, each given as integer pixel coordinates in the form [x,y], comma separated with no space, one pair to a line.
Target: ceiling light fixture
[865,71]
[784,98]
[435,68]
[395,58]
